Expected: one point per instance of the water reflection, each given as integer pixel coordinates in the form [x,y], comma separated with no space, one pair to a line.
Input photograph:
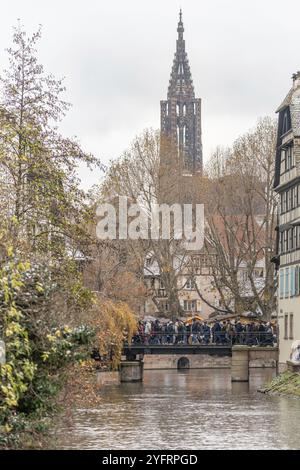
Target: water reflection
[194,409]
[238,388]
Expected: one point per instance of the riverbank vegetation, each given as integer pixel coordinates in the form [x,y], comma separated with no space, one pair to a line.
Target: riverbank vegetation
[287,383]
[49,320]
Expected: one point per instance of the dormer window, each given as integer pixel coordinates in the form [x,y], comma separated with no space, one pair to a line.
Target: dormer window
[285,122]
[284,125]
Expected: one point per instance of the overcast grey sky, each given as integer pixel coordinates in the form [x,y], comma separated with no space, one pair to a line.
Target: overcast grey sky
[116,56]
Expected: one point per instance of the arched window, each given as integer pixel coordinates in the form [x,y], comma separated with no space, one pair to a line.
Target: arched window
[177,109]
[184,109]
[184,135]
[180,69]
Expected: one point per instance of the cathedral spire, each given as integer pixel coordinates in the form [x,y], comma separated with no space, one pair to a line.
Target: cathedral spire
[181,79]
[181,112]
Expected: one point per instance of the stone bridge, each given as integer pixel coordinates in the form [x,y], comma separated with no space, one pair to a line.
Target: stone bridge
[182,356]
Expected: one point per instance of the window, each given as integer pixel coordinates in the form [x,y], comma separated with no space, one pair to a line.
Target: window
[281,283]
[189,284]
[258,272]
[196,261]
[189,305]
[287,281]
[289,158]
[282,162]
[284,123]
[290,199]
[286,321]
[184,109]
[291,332]
[184,134]
[292,276]
[282,208]
[291,239]
[164,306]
[180,69]
[297,280]
[285,241]
[294,237]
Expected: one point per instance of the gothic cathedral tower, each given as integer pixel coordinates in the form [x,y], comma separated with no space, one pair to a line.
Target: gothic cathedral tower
[181,117]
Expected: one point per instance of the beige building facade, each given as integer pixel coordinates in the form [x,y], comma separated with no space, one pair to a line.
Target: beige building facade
[287,186]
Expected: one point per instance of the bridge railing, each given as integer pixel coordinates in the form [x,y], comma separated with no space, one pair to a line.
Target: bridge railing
[200,338]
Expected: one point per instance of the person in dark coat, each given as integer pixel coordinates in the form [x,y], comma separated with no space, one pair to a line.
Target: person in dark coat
[261,334]
[206,333]
[217,332]
[239,330]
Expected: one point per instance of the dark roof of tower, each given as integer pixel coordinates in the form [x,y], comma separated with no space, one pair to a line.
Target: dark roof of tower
[181,83]
[286,102]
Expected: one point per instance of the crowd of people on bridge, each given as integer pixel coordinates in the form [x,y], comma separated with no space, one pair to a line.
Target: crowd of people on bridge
[250,333]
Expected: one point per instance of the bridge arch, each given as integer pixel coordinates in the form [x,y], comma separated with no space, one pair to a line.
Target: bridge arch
[183,363]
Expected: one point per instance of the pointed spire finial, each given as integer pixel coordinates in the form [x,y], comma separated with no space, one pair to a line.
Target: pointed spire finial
[180,28]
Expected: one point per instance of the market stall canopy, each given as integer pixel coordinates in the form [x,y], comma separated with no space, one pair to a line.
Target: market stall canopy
[196,317]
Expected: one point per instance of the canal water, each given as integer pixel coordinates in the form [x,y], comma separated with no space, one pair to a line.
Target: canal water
[194,409]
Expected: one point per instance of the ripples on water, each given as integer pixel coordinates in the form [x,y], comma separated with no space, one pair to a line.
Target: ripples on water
[195,409]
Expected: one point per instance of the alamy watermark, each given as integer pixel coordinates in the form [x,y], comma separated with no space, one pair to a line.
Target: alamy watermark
[125,221]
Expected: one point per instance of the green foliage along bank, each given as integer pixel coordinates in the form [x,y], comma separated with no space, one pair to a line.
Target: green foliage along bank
[287,384]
